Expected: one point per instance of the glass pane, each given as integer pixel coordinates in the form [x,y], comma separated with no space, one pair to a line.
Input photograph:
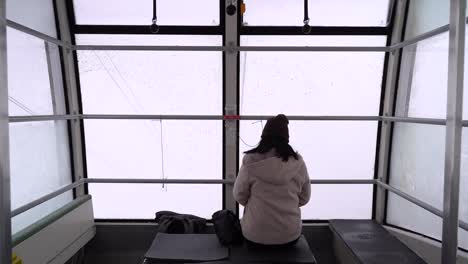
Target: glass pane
[142,201]
[27,57]
[154,149]
[417,161]
[426,15]
[36,14]
[422,88]
[407,215]
[324,144]
[140,12]
[321,12]
[423,80]
[40,164]
[146,82]
[336,202]
[463,215]
[417,168]
[306,83]
[339,202]
[37,213]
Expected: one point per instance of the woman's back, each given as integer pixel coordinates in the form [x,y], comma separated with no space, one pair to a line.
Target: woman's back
[272,191]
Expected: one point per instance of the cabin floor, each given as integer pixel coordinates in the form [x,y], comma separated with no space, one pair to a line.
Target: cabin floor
[126,243]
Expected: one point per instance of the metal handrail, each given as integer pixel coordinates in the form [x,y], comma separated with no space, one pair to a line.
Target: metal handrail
[76,184]
[416,201]
[419,38]
[158,181]
[17,119]
[46,198]
[66,188]
[415,120]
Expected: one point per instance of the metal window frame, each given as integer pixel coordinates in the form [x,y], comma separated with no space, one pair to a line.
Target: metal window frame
[230,104]
[145,29]
[66,104]
[317,30]
[453,134]
[229,49]
[389,85]
[454,122]
[73,94]
[5,198]
[397,73]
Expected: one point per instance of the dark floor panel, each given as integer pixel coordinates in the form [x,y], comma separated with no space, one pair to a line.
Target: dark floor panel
[127,243]
[115,257]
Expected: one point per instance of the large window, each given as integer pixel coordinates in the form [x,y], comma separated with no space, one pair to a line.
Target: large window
[153,83]
[40,164]
[426,15]
[323,145]
[417,168]
[182,149]
[131,84]
[36,14]
[35,94]
[311,83]
[423,82]
[142,201]
[39,151]
[319,83]
[321,12]
[418,151]
[140,12]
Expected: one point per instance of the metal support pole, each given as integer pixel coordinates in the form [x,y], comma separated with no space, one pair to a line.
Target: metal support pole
[453,134]
[5,198]
[231,127]
[389,97]
[72,92]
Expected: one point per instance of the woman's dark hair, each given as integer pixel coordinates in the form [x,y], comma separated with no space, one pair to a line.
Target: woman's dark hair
[279,144]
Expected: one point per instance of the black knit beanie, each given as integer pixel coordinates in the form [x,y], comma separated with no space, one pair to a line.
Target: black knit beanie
[277,127]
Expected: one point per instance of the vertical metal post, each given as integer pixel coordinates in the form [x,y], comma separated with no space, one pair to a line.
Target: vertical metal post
[453,134]
[231,127]
[389,97]
[72,92]
[5,198]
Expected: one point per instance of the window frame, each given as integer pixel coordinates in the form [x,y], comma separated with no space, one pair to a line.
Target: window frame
[321,30]
[221,30]
[408,64]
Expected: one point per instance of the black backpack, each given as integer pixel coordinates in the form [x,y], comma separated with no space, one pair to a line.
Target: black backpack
[174,223]
[227,227]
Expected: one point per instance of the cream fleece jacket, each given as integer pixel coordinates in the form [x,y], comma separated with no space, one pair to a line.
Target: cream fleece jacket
[272,192]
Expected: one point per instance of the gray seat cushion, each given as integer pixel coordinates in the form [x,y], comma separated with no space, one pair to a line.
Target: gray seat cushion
[186,248]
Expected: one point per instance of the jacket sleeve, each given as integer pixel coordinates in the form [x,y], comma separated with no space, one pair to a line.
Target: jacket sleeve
[242,185]
[304,196]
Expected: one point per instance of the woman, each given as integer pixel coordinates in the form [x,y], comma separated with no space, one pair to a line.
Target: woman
[272,184]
